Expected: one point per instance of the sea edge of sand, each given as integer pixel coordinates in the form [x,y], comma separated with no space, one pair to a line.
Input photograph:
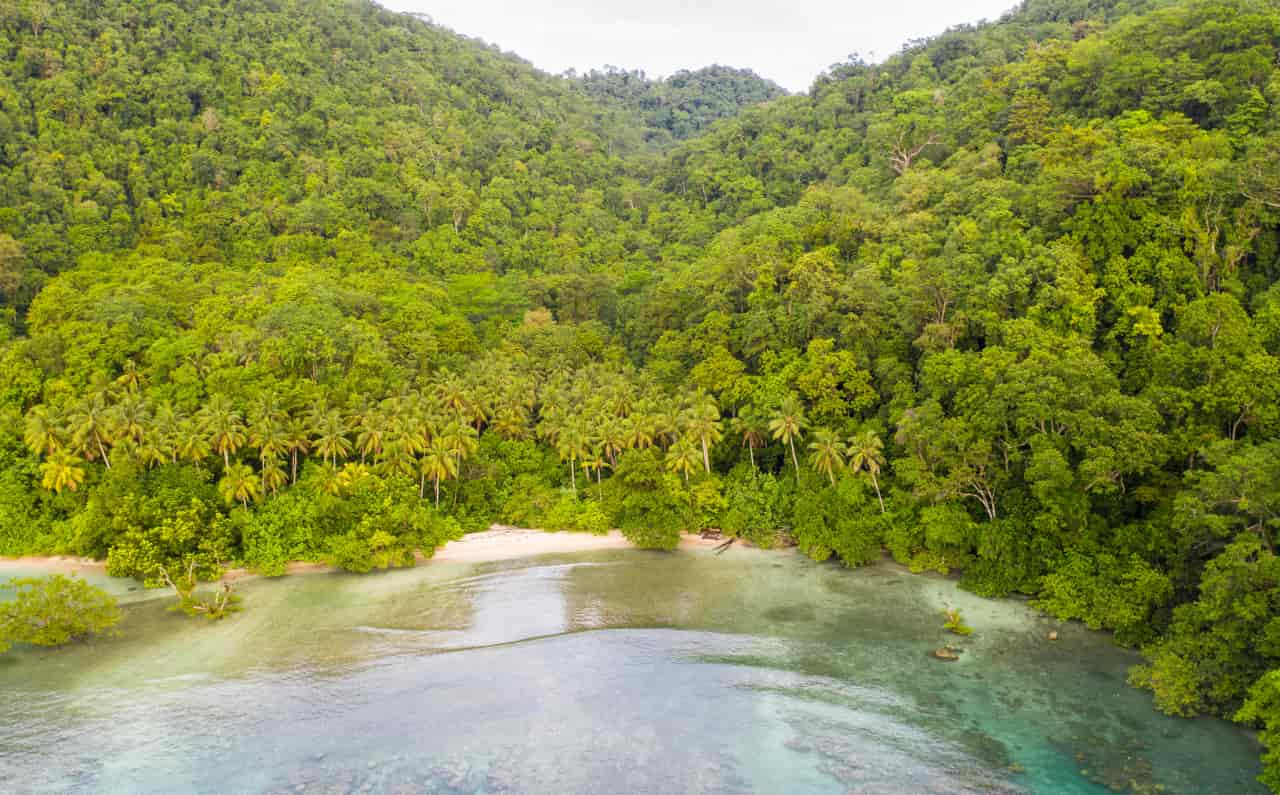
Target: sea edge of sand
[499,542]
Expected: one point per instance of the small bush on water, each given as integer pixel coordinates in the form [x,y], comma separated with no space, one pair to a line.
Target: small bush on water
[51,611]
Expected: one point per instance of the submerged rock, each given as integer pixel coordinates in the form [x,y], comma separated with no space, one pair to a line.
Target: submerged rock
[947,654]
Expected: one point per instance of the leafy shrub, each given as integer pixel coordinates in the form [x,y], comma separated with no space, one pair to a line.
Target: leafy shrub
[757,506]
[841,519]
[647,502]
[955,622]
[577,515]
[1106,591]
[51,611]
[276,532]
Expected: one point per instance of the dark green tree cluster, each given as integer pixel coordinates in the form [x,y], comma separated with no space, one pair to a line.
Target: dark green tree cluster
[683,105]
[308,280]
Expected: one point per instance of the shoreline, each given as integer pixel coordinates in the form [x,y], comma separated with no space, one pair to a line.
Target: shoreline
[499,542]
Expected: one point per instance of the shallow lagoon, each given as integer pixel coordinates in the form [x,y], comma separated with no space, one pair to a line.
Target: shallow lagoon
[619,671]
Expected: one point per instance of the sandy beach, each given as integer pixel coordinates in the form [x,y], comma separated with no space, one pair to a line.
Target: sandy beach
[54,564]
[497,543]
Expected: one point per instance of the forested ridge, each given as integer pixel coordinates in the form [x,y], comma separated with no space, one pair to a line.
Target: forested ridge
[304,279]
[682,105]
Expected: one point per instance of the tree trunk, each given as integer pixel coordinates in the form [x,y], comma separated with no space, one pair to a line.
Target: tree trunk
[103,450]
[573,476]
[706,457]
[437,492]
[876,483]
[795,460]
[294,469]
[422,486]
[751,451]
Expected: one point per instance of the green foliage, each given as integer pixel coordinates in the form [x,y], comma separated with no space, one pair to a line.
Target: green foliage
[843,519]
[280,531]
[581,516]
[1262,708]
[51,611]
[757,506]
[1106,592]
[1004,304]
[682,105]
[214,607]
[378,525]
[955,622]
[1218,645]
[24,520]
[649,503]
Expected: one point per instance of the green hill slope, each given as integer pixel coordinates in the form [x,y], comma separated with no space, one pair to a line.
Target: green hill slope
[280,273]
[685,104]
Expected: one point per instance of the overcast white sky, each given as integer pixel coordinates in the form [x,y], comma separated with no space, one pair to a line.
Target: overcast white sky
[789,42]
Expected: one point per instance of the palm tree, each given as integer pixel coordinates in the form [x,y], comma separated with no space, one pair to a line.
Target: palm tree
[402,440]
[398,454]
[511,421]
[153,449]
[702,419]
[462,440]
[192,444]
[682,457]
[131,378]
[268,434]
[223,426]
[273,475]
[329,479]
[238,484]
[131,417]
[479,405]
[330,431]
[788,424]
[452,394]
[91,427]
[753,430]
[267,426]
[372,434]
[166,424]
[571,444]
[640,431]
[436,463]
[612,436]
[297,439]
[666,427]
[62,471]
[826,453]
[43,431]
[595,461]
[866,451]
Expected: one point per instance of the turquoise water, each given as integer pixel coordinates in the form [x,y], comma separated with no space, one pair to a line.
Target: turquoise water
[619,671]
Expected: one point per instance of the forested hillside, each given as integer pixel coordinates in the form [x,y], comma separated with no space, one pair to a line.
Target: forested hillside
[683,105]
[305,279]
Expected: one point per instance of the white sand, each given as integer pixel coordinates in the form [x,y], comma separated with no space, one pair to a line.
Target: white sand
[56,564]
[497,543]
[504,543]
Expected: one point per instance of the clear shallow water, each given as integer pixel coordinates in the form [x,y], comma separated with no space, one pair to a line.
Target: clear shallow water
[604,672]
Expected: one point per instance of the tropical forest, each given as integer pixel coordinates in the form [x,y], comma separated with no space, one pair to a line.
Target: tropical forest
[310,280]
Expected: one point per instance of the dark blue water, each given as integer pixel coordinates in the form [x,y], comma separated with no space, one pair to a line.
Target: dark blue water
[602,672]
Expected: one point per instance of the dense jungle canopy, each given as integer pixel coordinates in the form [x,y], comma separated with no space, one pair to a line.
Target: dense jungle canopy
[306,279]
